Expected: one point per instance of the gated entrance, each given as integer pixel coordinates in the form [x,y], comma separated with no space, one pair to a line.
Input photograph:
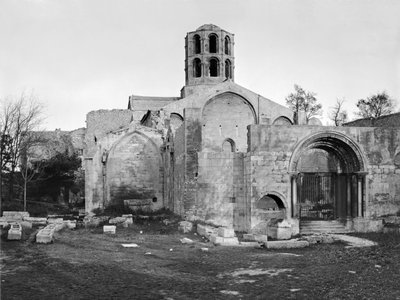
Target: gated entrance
[327,196]
[328,178]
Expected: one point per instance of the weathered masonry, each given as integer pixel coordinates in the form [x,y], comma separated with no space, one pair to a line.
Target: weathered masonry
[226,155]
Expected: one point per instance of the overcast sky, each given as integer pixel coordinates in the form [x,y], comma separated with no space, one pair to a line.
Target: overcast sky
[83,55]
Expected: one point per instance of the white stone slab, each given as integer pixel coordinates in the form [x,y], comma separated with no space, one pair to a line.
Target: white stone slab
[44,236]
[226,232]
[218,240]
[109,229]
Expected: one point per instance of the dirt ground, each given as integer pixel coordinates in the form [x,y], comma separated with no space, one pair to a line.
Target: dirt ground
[87,264]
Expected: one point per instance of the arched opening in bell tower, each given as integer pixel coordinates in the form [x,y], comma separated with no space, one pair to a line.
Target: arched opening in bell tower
[197,44]
[197,67]
[213,43]
[228,69]
[227,45]
[214,67]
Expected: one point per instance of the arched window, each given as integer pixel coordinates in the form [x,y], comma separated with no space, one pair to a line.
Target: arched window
[197,44]
[197,67]
[214,67]
[228,146]
[227,45]
[228,69]
[213,43]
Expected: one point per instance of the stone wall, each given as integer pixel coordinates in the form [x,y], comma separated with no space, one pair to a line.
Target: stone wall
[125,165]
[392,120]
[101,122]
[226,117]
[273,148]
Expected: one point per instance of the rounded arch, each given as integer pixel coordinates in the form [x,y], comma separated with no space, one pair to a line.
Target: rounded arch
[228,145]
[231,94]
[213,43]
[228,69]
[213,67]
[197,67]
[334,142]
[227,45]
[197,44]
[176,120]
[132,171]
[282,120]
[271,200]
[224,116]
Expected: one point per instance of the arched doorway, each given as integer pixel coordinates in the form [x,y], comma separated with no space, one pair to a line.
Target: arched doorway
[328,178]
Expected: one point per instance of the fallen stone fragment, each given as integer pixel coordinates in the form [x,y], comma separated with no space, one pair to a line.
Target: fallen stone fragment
[26,225]
[234,293]
[226,232]
[70,224]
[15,232]
[204,249]
[230,241]
[352,272]
[147,253]
[287,244]
[166,222]
[117,220]
[36,221]
[206,231]
[45,236]
[15,214]
[133,245]
[109,229]
[250,244]
[186,241]
[295,290]
[185,226]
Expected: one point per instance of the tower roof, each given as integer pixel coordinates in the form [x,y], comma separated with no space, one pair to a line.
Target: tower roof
[208,27]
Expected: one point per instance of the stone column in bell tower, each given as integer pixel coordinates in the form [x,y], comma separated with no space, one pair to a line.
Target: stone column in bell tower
[209,58]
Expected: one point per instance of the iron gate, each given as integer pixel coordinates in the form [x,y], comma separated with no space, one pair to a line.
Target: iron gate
[316,196]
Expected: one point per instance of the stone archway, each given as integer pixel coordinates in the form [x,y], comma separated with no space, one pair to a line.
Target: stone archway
[133,173]
[328,178]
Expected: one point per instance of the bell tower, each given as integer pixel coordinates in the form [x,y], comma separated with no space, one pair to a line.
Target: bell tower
[209,57]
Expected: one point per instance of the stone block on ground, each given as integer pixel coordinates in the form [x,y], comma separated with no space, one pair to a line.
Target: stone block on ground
[248,237]
[186,241]
[70,224]
[117,220]
[261,238]
[280,230]
[229,241]
[36,221]
[15,214]
[206,230]
[185,226]
[26,225]
[226,232]
[109,229]
[55,220]
[128,218]
[45,236]
[15,232]
[94,221]
[287,244]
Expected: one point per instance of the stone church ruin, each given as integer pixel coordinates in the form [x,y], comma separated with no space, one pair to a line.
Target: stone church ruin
[223,154]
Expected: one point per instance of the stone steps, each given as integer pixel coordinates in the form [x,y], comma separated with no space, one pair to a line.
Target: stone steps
[309,227]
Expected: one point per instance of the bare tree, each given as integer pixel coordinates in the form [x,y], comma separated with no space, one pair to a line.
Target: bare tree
[302,100]
[375,106]
[18,117]
[337,114]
